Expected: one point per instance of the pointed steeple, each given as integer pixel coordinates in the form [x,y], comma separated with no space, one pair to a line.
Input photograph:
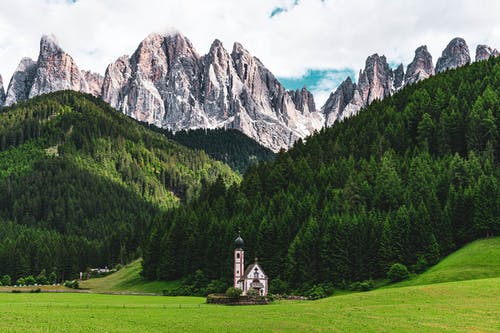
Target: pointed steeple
[238,242]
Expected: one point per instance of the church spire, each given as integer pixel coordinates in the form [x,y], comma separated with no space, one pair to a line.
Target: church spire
[239,262]
[238,242]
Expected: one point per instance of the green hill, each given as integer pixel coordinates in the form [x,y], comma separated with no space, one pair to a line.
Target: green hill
[81,183]
[227,145]
[410,179]
[127,280]
[477,260]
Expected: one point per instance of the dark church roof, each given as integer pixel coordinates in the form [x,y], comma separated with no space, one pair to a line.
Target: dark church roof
[238,242]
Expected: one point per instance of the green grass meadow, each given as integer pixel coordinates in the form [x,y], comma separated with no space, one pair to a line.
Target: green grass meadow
[466,306]
[477,260]
[129,280]
[425,303]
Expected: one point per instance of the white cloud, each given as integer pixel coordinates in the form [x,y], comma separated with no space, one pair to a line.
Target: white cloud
[312,34]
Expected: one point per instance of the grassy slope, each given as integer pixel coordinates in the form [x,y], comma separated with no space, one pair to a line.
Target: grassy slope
[421,308]
[477,260]
[128,279]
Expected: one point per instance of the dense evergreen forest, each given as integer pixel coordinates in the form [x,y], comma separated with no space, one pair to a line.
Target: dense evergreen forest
[80,183]
[408,180]
[227,145]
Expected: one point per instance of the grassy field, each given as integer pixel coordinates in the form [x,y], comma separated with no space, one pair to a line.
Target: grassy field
[426,303]
[127,279]
[467,306]
[477,260]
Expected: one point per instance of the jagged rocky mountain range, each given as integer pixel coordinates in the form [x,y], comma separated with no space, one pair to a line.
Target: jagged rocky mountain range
[54,70]
[378,80]
[165,82]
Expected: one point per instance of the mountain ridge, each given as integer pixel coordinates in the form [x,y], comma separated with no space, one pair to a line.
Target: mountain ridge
[165,82]
[351,97]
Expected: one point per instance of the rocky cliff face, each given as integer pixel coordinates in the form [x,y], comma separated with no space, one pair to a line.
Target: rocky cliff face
[166,83]
[21,82]
[375,82]
[456,54]
[54,70]
[399,76]
[339,104]
[484,52]
[2,92]
[94,82]
[421,67]
[303,100]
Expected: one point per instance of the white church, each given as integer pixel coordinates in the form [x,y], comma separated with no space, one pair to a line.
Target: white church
[253,277]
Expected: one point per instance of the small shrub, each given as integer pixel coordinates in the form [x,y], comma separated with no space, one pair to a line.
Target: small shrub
[319,291]
[72,284]
[29,280]
[366,285]
[199,279]
[217,286]
[253,293]
[20,282]
[316,293]
[421,264]
[42,280]
[398,272]
[233,293]
[52,278]
[183,290]
[6,280]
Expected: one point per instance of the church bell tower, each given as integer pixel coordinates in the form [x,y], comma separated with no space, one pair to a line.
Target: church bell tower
[239,262]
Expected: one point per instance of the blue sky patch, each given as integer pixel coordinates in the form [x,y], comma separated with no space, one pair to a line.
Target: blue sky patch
[318,79]
[321,82]
[277,11]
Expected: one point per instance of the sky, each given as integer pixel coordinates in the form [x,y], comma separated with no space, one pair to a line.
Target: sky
[317,43]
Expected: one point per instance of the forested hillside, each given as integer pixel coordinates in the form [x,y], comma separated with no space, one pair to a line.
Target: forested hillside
[227,145]
[80,183]
[408,180]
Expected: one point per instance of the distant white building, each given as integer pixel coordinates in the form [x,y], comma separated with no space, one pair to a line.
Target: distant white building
[253,277]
